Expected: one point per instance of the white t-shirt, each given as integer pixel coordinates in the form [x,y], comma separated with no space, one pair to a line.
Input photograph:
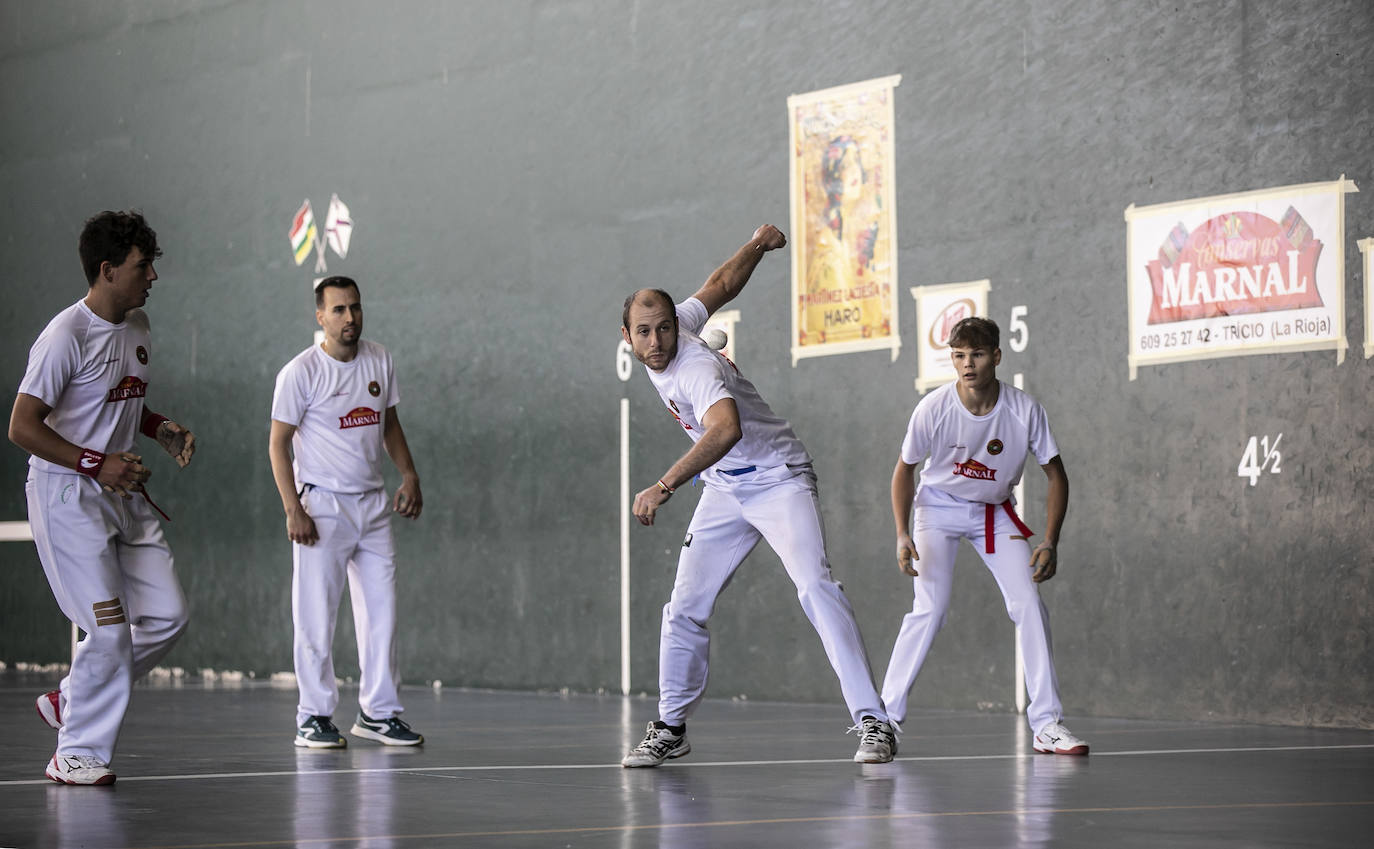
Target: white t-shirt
[94,375]
[975,458]
[338,410]
[699,377]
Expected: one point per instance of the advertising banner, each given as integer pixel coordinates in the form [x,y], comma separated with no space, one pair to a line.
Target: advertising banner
[1253,273]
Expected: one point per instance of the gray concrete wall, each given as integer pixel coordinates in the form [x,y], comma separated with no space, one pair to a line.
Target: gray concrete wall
[515,168]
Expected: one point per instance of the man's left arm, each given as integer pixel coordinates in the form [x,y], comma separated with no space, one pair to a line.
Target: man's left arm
[408,499]
[728,281]
[176,440]
[1045,560]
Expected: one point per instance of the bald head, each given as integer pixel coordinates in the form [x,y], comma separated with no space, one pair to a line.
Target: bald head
[647,298]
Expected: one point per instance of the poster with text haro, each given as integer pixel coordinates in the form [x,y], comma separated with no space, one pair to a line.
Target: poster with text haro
[1252,273]
[844,221]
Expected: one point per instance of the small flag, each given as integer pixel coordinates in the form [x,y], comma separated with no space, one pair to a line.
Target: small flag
[303,232]
[338,226]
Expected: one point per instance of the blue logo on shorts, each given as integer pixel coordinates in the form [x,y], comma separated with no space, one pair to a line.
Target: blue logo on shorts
[67,492]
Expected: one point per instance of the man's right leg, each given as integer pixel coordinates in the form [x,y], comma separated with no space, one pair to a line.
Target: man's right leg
[936,549]
[319,572]
[717,541]
[73,523]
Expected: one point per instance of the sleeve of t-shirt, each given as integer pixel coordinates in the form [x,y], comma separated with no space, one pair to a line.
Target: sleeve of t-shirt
[703,384]
[916,443]
[288,398]
[1041,440]
[53,359]
[692,315]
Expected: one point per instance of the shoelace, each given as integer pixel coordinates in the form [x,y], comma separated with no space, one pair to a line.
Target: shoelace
[872,731]
[324,726]
[657,740]
[85,761]
[395,723]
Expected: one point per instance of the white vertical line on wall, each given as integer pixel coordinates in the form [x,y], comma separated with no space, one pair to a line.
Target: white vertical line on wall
[625,546]
[1018,380]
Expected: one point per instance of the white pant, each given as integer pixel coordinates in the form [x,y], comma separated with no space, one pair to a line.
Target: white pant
[779,505]
[111,572]
[355,542]
[937,534]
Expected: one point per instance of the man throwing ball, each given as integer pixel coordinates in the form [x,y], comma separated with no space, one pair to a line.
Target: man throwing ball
[974,435]
[759,484]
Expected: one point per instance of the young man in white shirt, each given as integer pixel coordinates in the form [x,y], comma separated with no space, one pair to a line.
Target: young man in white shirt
[758,484]
[976,433]
[79,411]
[335,405]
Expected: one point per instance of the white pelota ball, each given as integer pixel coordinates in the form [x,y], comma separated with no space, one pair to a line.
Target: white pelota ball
[714,338]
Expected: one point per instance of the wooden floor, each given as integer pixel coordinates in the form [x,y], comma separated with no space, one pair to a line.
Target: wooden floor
[212,766]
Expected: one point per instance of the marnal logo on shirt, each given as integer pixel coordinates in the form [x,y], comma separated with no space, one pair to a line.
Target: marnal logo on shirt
[129,387]
[672,408]
[976,470]
[360,417]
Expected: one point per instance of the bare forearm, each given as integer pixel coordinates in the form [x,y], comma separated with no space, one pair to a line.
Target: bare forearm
[714,444]
[1057,498]
[730,278]
[44,442]
[31,433]
[1056,508]
[903,492]
[727,281]
[394,439]
[283,474]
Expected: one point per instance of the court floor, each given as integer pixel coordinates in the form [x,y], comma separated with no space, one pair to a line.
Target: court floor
[206,765]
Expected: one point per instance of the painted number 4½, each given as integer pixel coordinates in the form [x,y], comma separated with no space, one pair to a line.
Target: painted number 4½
[1259,455]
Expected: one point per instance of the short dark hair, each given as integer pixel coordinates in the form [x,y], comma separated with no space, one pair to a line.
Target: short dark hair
[667,299]
[975,332]
[109,236]
[335,282]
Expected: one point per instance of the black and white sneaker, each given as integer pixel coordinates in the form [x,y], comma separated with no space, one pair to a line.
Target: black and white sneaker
[319,732]
[877,741]
[79,769]
[391,731]
[1055,739]
[659,744]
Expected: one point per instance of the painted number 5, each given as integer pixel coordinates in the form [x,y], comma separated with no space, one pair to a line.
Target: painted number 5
[1020,332]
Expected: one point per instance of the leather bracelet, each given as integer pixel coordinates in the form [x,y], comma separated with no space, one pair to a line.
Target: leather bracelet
[151,422]
[90,463]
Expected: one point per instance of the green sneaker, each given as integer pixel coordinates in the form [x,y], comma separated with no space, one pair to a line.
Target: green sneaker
[319,732]
[391,731]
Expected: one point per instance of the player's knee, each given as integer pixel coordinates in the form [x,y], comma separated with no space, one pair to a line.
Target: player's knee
[682,617]
[109,654]
[1024,610]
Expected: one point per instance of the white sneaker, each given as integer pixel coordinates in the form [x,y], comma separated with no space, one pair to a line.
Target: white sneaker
[1055,739]
[50,708]
[79,769]
[877,741]
[659,744]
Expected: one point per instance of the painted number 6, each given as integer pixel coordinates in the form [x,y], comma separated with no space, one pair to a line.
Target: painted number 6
[624,363]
